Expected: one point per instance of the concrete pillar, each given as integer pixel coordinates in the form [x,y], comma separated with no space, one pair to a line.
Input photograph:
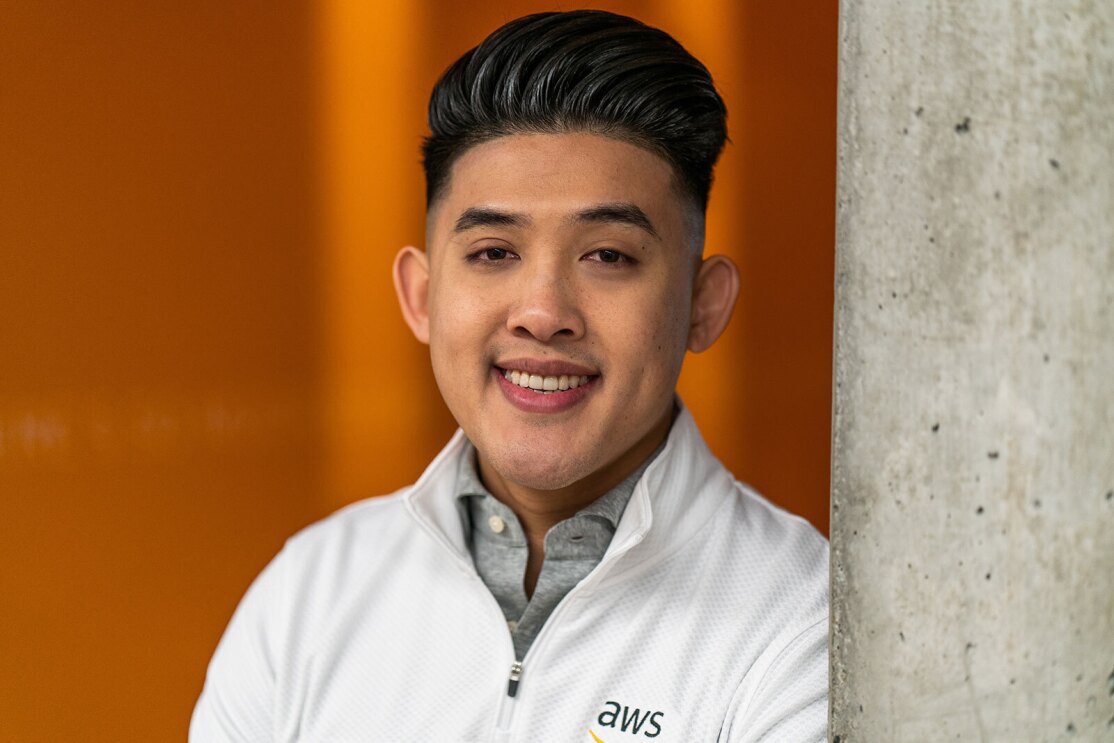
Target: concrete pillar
[973,464]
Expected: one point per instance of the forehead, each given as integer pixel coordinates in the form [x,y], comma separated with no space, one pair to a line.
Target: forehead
[553,175]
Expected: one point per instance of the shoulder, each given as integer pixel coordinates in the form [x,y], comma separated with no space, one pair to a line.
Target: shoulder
[365,518]
[762,556]
[279,620]
[761,565]
[786,539]
[348,541]
[757,543]
[777,559]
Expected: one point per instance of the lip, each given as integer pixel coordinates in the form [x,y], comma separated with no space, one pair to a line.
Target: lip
[547,367]
[533,402]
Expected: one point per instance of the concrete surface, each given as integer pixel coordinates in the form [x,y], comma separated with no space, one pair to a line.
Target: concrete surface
[973,441]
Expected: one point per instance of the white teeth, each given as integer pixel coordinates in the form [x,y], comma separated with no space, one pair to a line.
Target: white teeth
[542,384]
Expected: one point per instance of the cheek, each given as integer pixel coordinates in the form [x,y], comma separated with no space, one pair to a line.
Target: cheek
[671,311]
[447,338]
[654,332]
[457,317]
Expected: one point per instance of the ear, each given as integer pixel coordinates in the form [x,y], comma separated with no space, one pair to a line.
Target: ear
[713,299]
[411,275]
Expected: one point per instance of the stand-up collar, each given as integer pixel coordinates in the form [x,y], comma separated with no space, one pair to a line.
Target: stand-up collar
[672,501]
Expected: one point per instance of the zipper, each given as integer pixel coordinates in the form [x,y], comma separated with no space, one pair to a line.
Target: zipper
[506,704]
[512,683]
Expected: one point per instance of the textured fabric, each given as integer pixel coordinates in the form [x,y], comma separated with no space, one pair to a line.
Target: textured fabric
[705,621]
[573,547]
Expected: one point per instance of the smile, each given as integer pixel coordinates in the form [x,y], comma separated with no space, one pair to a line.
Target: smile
[544,393]
[544,385]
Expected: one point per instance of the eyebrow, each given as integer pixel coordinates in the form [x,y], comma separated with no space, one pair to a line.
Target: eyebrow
[480,216]
[618,213]
[614,213]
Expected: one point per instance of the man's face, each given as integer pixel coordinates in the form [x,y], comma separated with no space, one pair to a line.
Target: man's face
[559,260]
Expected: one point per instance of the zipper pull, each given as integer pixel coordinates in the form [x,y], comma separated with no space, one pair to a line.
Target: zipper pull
[516,674]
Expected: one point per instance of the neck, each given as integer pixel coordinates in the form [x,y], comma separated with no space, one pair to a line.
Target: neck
[539,510]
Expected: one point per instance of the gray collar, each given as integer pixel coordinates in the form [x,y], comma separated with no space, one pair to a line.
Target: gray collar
[609,507]
[497,543]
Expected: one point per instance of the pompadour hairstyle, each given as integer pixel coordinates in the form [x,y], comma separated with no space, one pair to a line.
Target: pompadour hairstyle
[584,70]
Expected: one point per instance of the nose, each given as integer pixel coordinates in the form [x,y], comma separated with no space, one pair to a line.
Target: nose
[546,306]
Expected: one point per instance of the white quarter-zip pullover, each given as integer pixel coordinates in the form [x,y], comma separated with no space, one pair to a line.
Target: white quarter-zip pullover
[706,620]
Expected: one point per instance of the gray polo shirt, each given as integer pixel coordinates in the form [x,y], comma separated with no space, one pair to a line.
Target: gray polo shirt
[573,547]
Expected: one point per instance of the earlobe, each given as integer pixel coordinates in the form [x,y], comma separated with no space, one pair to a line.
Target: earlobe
[411,276]
[713,299]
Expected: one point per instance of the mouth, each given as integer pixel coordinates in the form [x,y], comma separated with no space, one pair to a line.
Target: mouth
[546,384]
[544,387]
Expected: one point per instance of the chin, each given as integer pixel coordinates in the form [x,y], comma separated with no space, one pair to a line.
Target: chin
[538,472]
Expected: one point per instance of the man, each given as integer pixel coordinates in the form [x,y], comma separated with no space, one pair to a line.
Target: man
[575,565]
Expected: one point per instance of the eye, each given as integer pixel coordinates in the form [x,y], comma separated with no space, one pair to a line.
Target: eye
[490,255]
[609,256]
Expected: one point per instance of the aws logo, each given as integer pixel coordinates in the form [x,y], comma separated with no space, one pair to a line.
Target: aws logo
[633,721]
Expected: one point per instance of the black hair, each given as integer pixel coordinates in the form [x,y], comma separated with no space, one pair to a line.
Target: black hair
[584,70]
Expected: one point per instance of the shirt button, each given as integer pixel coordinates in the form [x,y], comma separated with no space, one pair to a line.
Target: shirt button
[497,524]
[512,626]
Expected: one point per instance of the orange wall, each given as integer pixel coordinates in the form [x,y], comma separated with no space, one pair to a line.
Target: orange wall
[159,348]
[199,349]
